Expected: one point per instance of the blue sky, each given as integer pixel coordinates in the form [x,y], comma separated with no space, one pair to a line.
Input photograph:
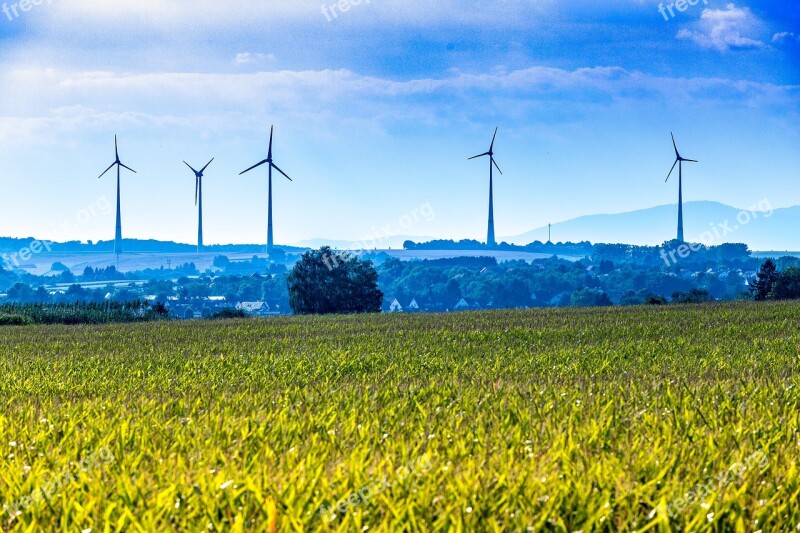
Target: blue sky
[377,110]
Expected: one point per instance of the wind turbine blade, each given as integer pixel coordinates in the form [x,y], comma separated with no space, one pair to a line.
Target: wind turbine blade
[491,148]
[281,171]
[106,170]
[271,130]
[495,166]
[691,161]
[477,156]
[129,168]
[254,166]
[205,167]
[116,148]
[190,166]
[678,155]
[672,170]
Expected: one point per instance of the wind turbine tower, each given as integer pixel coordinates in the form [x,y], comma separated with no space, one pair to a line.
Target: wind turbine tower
[272,165]
[118,164]
[490,238]
[679,162]
[198,201]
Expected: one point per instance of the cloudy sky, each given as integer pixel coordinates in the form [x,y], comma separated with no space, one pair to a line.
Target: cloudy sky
[378,106]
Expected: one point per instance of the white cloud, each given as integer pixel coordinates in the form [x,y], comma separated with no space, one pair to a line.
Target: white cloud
[725,29]
[248,58]
[785,36]
[47,102]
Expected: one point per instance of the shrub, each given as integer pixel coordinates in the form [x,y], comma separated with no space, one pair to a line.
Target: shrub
[228,312]
[654,299]
[590,298]
[694,296]
[14,320]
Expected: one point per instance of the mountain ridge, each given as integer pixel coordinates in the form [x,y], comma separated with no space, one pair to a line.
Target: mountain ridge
[761,227]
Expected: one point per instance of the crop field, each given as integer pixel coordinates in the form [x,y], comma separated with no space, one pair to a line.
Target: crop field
[645,419]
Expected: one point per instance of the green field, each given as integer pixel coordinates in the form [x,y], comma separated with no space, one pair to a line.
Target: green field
[562,420]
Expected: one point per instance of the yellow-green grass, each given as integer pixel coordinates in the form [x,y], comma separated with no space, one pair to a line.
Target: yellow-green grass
[557,420]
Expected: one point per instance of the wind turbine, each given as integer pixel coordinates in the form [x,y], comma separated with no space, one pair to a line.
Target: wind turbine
[490,240]
[272,165]
[118,164]
[679,162]
[198,201]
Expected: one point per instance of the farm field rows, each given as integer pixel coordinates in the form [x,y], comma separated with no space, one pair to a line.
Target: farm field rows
[645,419]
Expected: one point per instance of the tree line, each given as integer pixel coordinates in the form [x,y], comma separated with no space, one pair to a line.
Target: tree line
[771,284]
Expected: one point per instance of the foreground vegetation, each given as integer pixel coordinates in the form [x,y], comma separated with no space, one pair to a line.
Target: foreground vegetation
[557,420]
[108,312]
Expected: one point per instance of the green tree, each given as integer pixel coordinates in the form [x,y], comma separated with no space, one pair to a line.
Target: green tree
[452,292]
[630,298]
[59,267]
[606,267]
[21,292]
[228,313]
[221,262]
[515,295]
[655,299]
[76,293]
[787,286]
[765,280]
[324,282]
[194,289]
[249,292]
[694,296]
[590,298]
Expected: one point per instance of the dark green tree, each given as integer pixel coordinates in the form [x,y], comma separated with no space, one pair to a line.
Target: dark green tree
[590,298]
[787,261]
[21,292]
[515,295]
[787,286]
[631,298]
[606,267]
[452,292]
[765,280]
[325,282]
[221,262]
[228,313]
[694,296]
[655,299]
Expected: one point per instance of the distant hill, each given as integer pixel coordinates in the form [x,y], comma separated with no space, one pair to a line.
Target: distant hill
[139,246]
[653,226]
[394,242]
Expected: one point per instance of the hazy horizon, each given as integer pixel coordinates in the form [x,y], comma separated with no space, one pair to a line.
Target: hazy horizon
[710,223]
